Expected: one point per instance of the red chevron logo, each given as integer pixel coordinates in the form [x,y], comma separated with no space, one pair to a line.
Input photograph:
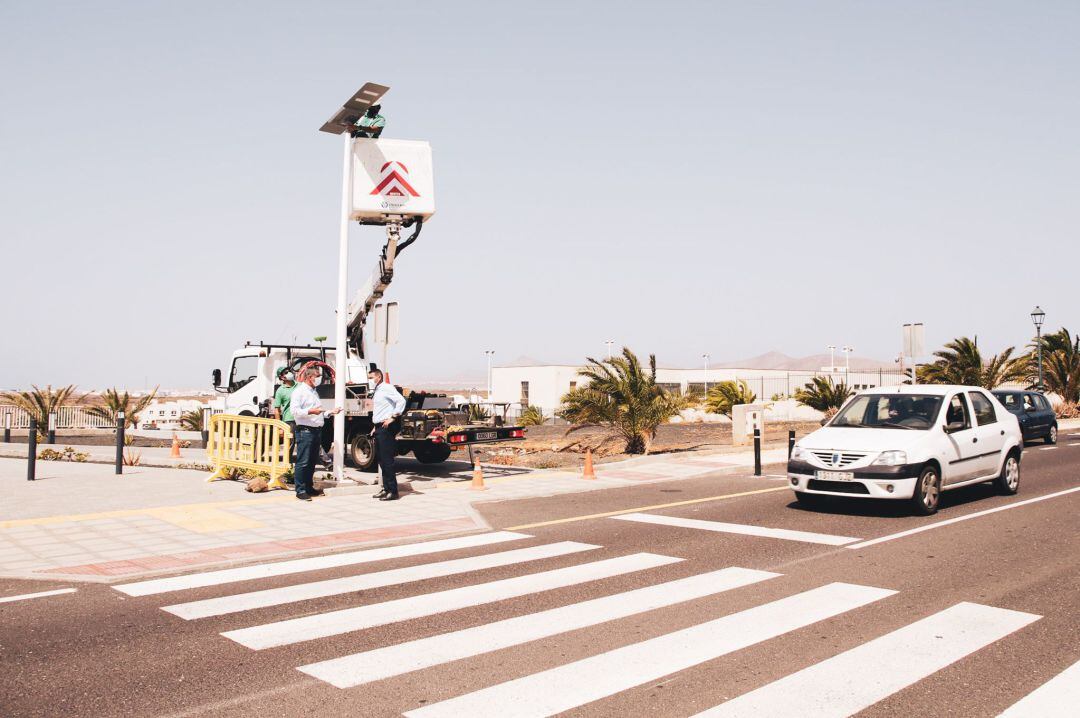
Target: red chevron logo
[394,182]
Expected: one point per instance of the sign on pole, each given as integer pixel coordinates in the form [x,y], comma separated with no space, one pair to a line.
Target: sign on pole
[914,340]
[385,327]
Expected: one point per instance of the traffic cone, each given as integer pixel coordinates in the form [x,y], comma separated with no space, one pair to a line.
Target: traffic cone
[477,476]
[589,473]
[175,453]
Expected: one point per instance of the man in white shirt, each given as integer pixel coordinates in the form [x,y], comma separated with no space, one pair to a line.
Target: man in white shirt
[387,407]
[307,412]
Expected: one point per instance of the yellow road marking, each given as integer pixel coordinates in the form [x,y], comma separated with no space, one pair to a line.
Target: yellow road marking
[201,519]
[121,513]
[644,508]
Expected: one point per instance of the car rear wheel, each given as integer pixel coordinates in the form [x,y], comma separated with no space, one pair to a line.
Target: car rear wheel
[927,492]
[362,452]
[1051,436]
[1008,482]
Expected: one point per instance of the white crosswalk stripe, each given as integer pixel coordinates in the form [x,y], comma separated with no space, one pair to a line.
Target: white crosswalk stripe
[852,681]
[590,679]
[1057,698]
[337,586]
[314,563]
[347,620]
[719,526]
[374,665]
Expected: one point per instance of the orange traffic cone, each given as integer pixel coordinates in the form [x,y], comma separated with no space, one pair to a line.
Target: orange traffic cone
[175,453]
[477,477]
[589,473]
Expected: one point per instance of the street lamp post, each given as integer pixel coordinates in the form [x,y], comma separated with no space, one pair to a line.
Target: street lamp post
[832,357]
[490,353]
[609,343]
[1037,317]
[847,362]
[706,358]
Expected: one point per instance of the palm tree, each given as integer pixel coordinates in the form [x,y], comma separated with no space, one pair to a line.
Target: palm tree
[624,397]
[39,403]
[822,394]
[1061,364]
[960,362]
[726,394]
[115,402]
[532,416]
[192,420]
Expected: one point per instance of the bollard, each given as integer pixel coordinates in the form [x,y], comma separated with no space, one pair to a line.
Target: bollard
[790,442]
[119,442]
[757,452]
[589,472]
[31,454]
[51,438]
[7,428]
[206,426]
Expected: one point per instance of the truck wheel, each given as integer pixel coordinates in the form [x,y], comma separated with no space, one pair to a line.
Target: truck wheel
[362,452]
[432,454]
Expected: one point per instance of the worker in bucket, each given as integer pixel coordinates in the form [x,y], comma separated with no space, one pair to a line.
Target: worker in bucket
[387,407]
[309,416]
[371,124]
[282,400]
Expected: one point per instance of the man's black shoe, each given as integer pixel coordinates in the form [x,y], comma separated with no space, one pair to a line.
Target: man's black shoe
[304,497]
[379,495]
[389,497]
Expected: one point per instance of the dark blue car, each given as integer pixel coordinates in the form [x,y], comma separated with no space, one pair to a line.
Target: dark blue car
[1036,416]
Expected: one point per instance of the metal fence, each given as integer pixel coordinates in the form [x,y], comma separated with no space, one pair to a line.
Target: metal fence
[67,417]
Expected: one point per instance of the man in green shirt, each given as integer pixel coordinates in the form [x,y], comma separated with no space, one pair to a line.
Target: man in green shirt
[371,124]
[282,398]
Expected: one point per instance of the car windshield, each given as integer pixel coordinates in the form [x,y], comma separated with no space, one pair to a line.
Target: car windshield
[889,411]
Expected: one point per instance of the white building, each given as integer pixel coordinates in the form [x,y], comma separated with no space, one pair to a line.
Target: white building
[529,382]
[166,414]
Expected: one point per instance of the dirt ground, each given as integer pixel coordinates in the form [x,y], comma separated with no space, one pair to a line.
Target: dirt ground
[547,447]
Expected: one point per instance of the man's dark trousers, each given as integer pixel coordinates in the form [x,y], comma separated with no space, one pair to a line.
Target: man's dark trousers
[385,451]
[307,451]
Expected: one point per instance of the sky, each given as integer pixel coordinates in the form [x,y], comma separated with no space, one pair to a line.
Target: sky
[679,177]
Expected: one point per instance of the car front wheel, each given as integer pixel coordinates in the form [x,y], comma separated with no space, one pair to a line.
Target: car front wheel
[927,492]
[1008,482]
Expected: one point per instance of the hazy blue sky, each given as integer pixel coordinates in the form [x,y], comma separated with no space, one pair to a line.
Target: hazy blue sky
[680,177]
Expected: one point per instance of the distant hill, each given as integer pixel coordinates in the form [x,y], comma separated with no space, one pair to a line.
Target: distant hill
[813,362]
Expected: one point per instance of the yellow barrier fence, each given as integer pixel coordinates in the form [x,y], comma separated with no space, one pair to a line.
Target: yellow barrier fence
[249,442]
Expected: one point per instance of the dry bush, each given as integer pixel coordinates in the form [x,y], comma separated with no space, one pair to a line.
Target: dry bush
[1067,410]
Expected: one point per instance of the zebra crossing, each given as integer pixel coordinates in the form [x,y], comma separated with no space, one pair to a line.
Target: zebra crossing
[840,685]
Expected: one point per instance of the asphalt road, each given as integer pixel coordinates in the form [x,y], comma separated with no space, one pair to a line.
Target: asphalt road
[961,618]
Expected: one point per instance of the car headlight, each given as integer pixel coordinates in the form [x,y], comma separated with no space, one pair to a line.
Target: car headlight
[799,454]
[891,458]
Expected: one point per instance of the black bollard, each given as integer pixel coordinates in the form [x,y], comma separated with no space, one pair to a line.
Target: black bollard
[757,452]
[119,442]
[206,427]
[7,428]
[51,438]
[790,442]
[31,454]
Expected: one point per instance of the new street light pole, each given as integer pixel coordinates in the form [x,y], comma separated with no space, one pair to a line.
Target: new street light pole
[490,353]
[609,343]
[706,358]
[1037,317]
[847,362]
[832,357]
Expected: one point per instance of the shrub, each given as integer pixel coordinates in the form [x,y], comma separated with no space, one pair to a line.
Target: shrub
[68,453]
[1067,410]
[532,416]
[726,394]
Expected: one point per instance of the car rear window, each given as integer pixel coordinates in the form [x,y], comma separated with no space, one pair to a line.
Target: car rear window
[982,408]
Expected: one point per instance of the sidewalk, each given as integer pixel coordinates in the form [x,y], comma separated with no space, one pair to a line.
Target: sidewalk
[83,522]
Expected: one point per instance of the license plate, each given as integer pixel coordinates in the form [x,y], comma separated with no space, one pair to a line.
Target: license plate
[836,475]
[485,435]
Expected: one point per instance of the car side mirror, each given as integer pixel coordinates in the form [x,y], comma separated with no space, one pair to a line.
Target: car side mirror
[954,426]
[216,374]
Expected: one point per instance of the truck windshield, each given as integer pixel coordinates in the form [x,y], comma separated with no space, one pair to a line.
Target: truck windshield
[889,411]
[244,369]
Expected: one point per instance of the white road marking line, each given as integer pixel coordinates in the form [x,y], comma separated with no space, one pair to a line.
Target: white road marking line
[360,668]
[977,514]
[722,527]
[347,620]
[1046,448]
[575,684]
[347,584]
[315,563]
[40,594]
[857,679]
[1052,699]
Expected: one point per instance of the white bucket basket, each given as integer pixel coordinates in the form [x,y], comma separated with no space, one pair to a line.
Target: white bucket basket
[391,178]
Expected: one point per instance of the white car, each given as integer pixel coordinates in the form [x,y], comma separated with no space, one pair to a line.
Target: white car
[909,442]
